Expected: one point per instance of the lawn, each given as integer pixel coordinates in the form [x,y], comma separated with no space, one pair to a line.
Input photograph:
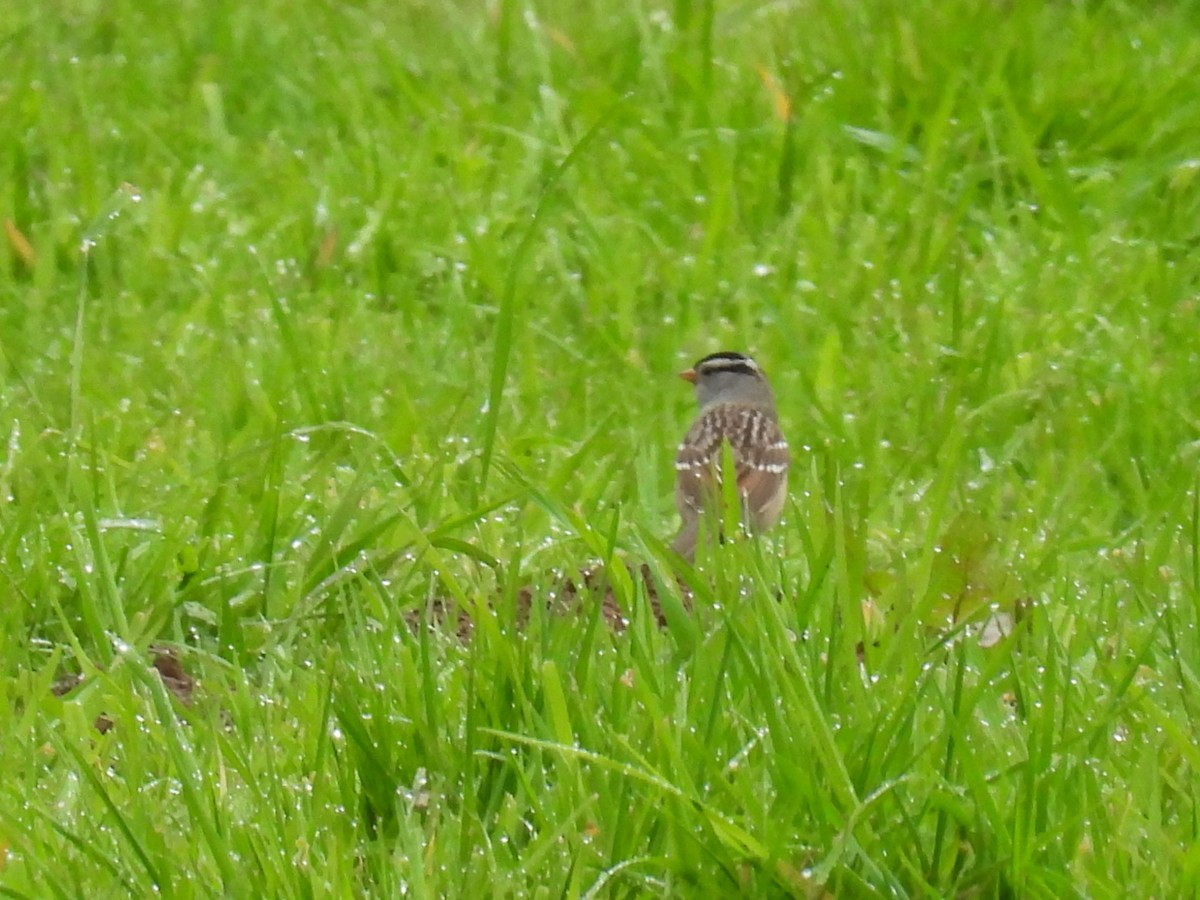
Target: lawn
[338,412]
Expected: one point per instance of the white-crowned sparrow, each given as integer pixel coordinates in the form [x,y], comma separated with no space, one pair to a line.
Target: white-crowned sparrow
[736,406]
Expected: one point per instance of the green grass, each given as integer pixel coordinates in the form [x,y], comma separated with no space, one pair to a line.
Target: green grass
[329,311]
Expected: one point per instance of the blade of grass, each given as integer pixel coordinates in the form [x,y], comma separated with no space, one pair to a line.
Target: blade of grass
[506,317]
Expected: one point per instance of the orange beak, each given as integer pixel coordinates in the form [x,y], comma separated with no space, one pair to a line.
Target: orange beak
[688,375]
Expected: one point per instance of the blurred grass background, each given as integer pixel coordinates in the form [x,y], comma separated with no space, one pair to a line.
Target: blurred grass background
[314,314]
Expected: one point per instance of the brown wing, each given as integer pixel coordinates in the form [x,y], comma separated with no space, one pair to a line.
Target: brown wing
[760,455]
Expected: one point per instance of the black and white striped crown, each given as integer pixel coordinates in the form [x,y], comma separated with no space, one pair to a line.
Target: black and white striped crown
[728,361]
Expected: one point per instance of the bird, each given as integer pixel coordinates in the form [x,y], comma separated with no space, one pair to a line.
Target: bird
[736,407]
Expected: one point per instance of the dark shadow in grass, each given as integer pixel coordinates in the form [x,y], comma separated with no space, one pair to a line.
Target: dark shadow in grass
[165,662]
[564,595]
